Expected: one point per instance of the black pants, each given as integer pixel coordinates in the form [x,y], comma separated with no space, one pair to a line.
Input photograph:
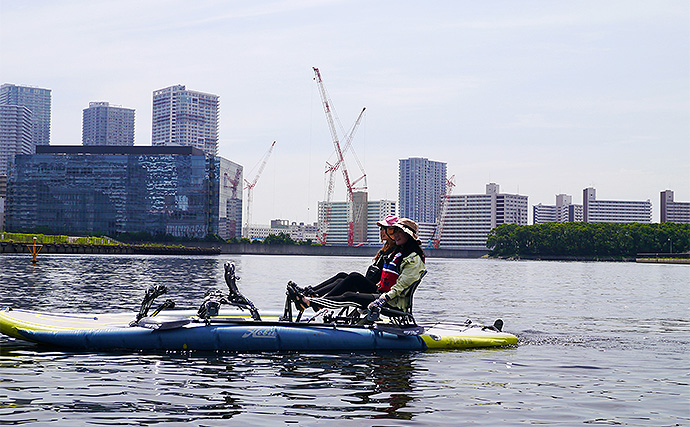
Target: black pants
[324,287]
[353,287]
[363,299]
[353,282]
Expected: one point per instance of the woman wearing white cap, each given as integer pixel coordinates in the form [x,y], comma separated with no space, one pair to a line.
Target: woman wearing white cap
[401,269]
[367,283]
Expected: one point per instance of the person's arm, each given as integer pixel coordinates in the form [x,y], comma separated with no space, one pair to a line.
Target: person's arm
[410,269]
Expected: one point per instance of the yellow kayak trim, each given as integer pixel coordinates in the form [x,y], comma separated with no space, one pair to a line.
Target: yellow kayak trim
[453,342]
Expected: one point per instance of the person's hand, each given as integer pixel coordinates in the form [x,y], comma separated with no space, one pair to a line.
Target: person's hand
[377,303]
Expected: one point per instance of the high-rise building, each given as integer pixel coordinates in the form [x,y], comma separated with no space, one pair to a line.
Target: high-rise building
[619,211]
[111,190]
[421,184]
[367,217]
[672,211]
[2,213]
[470,217]
[563,211]
[15,134]
[185,117]
[376,211]
[105,124]
[35,99]
[541,214]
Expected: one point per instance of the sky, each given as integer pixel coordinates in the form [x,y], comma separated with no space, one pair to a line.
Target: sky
[541,97]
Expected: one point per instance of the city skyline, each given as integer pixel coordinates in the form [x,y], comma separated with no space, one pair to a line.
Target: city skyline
[543,98]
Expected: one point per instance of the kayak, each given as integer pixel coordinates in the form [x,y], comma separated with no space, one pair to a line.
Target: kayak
[336,327]
[181,330]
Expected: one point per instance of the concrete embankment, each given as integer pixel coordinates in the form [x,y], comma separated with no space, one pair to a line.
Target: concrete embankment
[212,248]
[315,250]
[68,248]
[683,258]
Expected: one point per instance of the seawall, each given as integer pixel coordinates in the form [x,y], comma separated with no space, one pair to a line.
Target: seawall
[367,251]
[212,248]
[69,248]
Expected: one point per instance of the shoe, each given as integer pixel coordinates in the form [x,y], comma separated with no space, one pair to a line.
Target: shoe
[296,297]
[308,291]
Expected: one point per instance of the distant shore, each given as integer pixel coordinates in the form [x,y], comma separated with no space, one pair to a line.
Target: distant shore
[72,248]
[214,248]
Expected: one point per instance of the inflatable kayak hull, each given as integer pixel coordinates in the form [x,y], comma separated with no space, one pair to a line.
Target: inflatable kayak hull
[180,331]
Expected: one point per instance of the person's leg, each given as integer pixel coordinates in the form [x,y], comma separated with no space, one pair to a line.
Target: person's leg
[354,282]
[362,299]
[324,287]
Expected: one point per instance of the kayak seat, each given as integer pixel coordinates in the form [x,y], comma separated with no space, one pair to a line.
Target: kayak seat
[350,312]
[404,317]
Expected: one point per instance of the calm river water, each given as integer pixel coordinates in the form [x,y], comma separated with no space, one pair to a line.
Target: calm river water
[600,343]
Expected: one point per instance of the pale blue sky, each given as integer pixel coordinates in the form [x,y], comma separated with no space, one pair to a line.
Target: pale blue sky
[541,97]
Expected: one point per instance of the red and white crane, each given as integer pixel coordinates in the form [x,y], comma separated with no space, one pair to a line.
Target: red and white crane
[234,182]
[443,212]
[339,164]
[249,186]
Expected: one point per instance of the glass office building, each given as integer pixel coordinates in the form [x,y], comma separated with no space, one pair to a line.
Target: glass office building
[110,190]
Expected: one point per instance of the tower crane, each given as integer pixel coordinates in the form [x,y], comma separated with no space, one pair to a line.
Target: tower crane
[234,182]
[443,211]
[339,164]
[249,186]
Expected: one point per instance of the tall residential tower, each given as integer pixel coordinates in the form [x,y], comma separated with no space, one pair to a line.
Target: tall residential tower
[35,99]
[421,183]
[15,135]
[105,124]
[673,211]
[185,117]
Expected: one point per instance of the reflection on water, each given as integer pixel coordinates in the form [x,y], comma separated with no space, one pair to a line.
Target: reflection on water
[599,343]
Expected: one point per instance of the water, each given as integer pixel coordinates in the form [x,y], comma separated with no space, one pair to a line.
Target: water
[600,343]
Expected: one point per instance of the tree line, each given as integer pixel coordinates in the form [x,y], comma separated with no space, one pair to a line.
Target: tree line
[579,239]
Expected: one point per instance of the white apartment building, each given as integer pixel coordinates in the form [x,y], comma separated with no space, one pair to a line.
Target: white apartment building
[37,101]
[15,134]
[336,232]
[563,211]
[618,211]
[470,217]
[377,210]
[298,232]
[541,214]
[185,117]
[672,211]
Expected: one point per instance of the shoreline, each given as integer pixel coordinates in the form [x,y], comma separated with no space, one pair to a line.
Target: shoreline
[213,248]
[73,248]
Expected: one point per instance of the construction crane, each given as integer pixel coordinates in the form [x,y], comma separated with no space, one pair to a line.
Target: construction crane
[249,186]
[234,182]
[339,164]
[443,211]
[331,170]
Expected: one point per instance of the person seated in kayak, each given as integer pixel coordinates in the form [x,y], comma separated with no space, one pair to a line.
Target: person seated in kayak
[333,285]
[403,267]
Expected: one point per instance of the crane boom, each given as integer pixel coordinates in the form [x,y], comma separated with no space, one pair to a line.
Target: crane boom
[338,164]
[249,186]
[443,211]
